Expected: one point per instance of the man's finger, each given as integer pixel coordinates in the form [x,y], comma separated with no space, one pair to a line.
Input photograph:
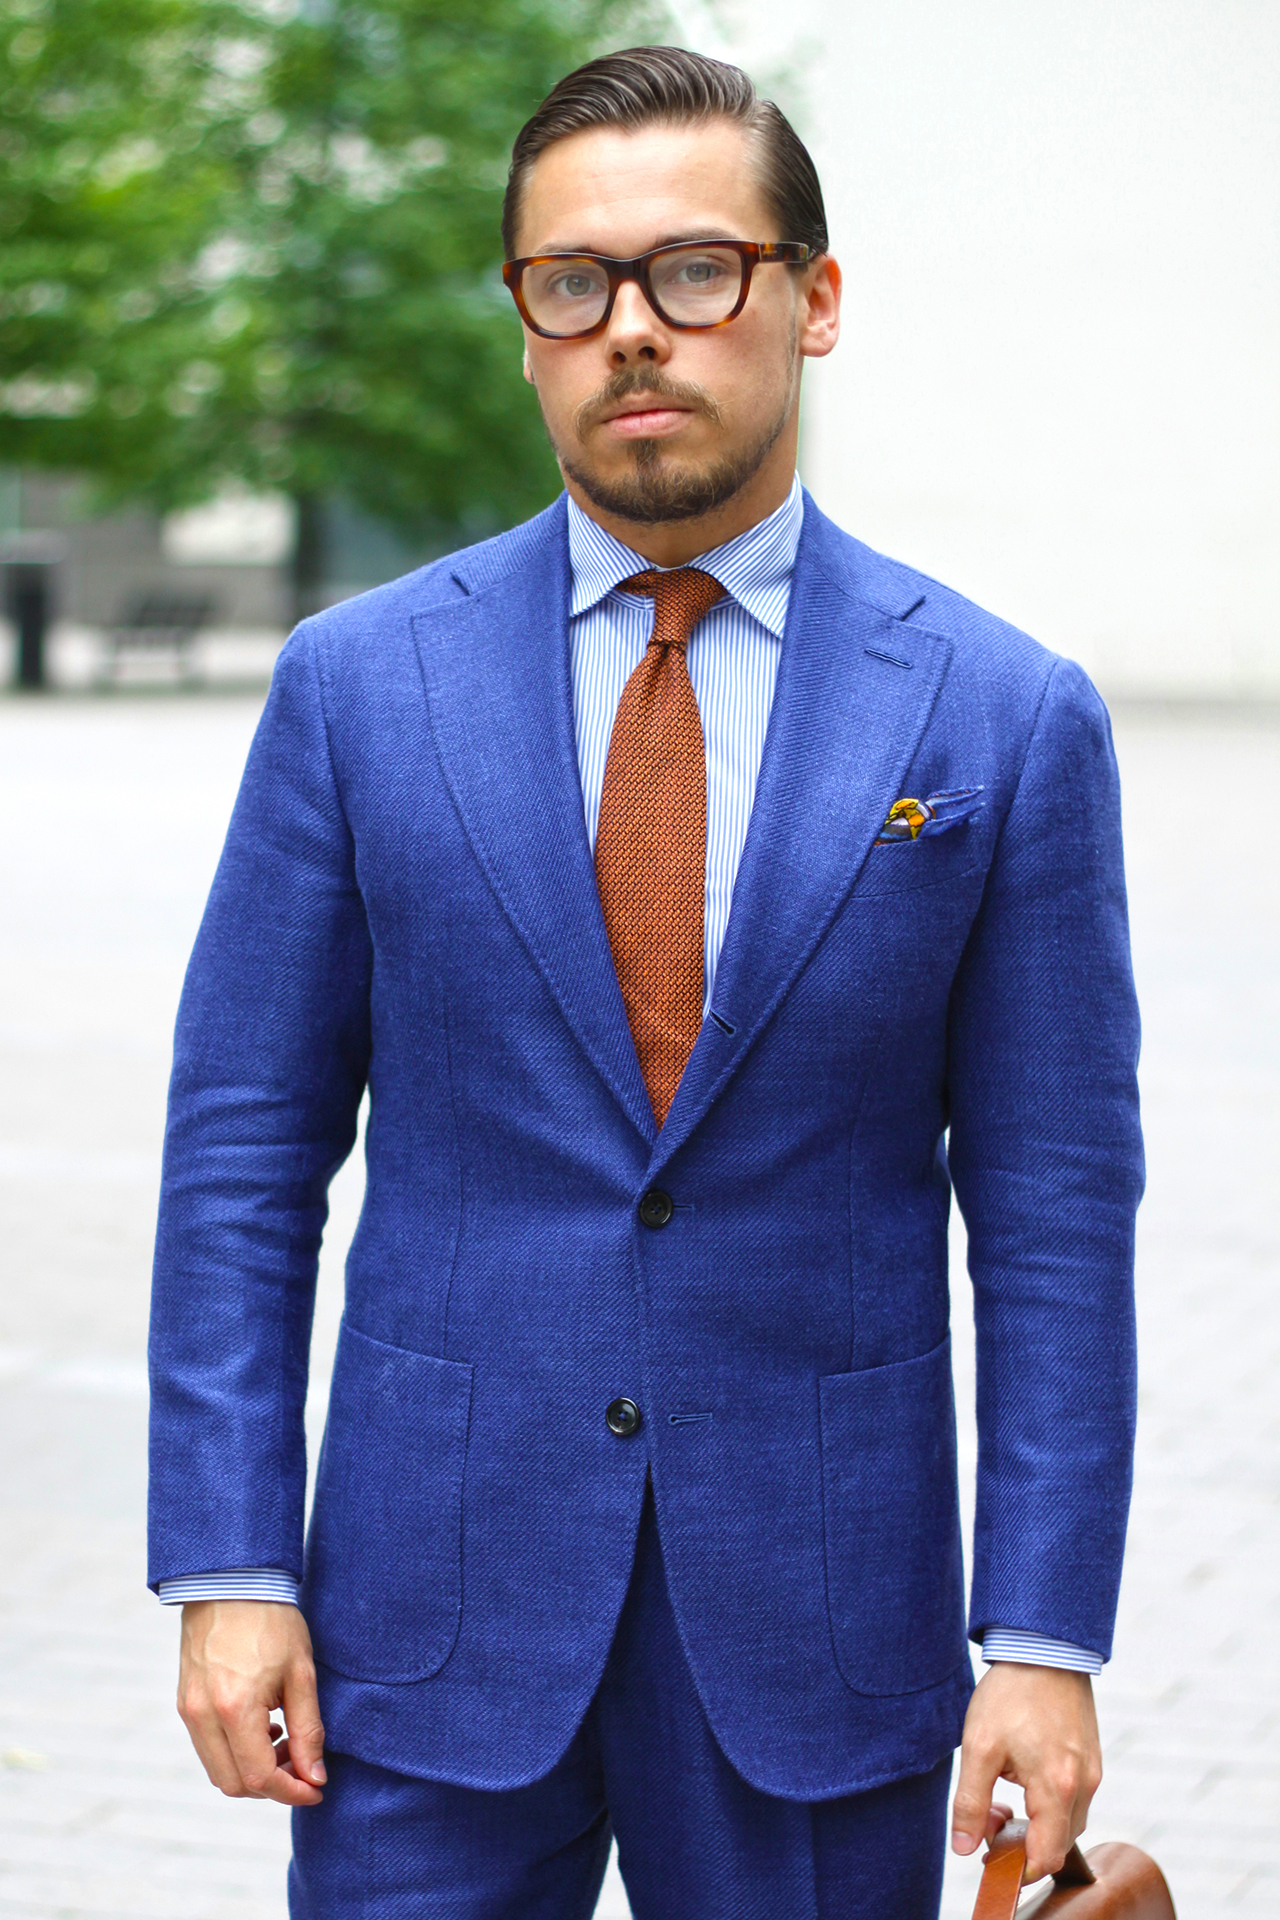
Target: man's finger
[971,1809]
[302,1717]
[1057,1808]
[261,1776]
[212,1747]
[1049,1837]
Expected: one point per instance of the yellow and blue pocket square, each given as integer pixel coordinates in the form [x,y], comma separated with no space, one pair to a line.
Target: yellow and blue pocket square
[911,819]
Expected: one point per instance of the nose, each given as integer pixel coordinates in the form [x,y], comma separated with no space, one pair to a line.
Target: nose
[635,333]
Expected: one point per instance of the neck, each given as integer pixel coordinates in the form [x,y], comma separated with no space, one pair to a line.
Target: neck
[674,543]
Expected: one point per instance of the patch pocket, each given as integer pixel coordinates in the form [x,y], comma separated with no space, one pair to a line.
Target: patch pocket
[384,1558]
[895,1589]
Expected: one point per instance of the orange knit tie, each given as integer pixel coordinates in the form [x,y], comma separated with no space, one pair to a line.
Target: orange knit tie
[651,840]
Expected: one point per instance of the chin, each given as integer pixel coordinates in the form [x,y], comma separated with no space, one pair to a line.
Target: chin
[656,486]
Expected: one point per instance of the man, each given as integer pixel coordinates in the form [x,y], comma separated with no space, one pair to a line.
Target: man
[673,872]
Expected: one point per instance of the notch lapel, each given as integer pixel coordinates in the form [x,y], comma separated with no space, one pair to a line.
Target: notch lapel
[496,670]
[855,689]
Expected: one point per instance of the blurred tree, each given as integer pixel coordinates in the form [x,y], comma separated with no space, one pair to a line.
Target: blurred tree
[256,242]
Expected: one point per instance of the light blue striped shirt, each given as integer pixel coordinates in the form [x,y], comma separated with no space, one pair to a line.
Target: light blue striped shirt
[733,664]
[733,659]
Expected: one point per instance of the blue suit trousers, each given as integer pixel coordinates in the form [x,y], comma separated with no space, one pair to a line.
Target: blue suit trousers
[695,1841]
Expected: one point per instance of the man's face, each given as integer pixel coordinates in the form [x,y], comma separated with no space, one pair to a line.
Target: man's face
[653,423]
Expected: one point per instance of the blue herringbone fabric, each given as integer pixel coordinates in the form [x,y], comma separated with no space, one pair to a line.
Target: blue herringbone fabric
[406,900]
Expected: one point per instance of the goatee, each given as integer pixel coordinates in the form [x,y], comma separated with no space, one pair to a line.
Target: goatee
[659,488]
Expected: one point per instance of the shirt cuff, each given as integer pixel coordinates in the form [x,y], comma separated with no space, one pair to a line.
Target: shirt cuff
[1034,1650]
[230,1583]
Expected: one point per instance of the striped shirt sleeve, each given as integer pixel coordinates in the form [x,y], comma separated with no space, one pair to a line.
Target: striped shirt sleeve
[231,1583]
[1034,1650]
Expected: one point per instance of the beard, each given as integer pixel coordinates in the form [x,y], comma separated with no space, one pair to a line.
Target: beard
[659,487]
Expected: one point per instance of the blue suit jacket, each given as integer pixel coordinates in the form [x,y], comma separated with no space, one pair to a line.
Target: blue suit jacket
[407,901]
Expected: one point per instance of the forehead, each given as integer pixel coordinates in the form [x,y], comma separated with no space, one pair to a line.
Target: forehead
[620,191]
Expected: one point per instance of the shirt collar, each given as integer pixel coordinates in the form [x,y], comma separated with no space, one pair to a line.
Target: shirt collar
[755,567]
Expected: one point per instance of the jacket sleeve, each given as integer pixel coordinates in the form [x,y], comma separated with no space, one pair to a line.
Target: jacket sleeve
[270,1058]
[1046,1156]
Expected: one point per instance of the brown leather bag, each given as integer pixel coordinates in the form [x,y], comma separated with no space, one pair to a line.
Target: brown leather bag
[1110,1882]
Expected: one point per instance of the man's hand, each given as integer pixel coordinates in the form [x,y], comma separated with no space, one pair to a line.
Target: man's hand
[1035,1726]
[243,1660]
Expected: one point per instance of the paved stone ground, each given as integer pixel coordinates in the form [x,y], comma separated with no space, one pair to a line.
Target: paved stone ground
[112,812]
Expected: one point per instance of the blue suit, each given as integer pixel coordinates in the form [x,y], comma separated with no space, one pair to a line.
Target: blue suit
[406,900]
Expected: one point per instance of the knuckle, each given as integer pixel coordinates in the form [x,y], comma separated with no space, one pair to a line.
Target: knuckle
[1065,1781]
[227,1703]
[192,1707]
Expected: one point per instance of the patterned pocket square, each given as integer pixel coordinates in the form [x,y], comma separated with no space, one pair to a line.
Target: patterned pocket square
[910,819]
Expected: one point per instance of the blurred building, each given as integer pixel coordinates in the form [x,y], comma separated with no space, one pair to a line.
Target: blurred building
[234,553]
[1059,383]
[113,560]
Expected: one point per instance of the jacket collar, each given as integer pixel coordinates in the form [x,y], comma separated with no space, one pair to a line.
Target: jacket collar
[495,664]
[855,690]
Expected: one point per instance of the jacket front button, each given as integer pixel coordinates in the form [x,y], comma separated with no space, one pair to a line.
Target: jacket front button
[656,1208]
[622,1417]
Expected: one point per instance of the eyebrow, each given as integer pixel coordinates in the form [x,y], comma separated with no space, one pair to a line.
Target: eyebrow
[697,237]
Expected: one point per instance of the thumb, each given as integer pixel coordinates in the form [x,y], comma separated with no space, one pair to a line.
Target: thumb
[301,1706]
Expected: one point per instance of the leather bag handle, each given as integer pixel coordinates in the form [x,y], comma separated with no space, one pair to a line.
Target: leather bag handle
[1002,1875]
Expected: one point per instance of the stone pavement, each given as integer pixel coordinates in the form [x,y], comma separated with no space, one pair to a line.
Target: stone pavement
[112,813]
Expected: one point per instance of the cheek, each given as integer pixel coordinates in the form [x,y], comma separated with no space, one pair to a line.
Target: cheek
[562,382]
[746,370]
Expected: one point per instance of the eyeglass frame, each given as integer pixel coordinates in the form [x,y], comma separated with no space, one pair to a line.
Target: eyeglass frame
[752,254]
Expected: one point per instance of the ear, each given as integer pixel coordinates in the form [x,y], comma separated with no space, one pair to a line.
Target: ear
[819,307]
[528,370]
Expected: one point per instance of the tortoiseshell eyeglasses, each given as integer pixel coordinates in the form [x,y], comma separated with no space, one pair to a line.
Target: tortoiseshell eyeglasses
[567,296]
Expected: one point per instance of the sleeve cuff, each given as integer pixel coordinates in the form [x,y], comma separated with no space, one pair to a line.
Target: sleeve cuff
[230,1583]
[1034,1650]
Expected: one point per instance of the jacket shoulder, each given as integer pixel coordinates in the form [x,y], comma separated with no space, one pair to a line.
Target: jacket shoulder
[996,662]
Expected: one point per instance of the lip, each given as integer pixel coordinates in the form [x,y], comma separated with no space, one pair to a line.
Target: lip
[647,421]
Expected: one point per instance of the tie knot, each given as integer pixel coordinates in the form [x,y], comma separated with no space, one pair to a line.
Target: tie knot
[680,598]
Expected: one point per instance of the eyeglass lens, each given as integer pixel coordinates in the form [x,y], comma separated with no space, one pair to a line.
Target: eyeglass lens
[694,286]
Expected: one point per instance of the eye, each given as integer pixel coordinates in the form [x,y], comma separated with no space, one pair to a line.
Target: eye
[572,286]
[702,272]
[569,281]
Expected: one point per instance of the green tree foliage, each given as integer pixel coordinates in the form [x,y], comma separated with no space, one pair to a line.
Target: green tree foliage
[257,241]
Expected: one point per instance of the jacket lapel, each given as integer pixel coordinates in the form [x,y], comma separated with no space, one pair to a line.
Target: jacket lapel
[854,692]
[496,667]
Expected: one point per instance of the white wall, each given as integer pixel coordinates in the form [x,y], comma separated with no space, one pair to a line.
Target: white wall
[1059,383]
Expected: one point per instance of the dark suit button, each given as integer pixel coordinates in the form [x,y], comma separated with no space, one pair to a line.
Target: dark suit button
[623,1418]
[656,1208]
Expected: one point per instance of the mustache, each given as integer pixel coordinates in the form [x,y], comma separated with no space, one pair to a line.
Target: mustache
[629,380]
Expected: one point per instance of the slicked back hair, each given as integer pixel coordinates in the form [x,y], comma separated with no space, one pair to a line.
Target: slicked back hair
[655,86]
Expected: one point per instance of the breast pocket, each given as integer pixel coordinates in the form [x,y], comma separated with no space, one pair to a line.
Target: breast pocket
[384,1558]
[901,866]
[890,1500]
